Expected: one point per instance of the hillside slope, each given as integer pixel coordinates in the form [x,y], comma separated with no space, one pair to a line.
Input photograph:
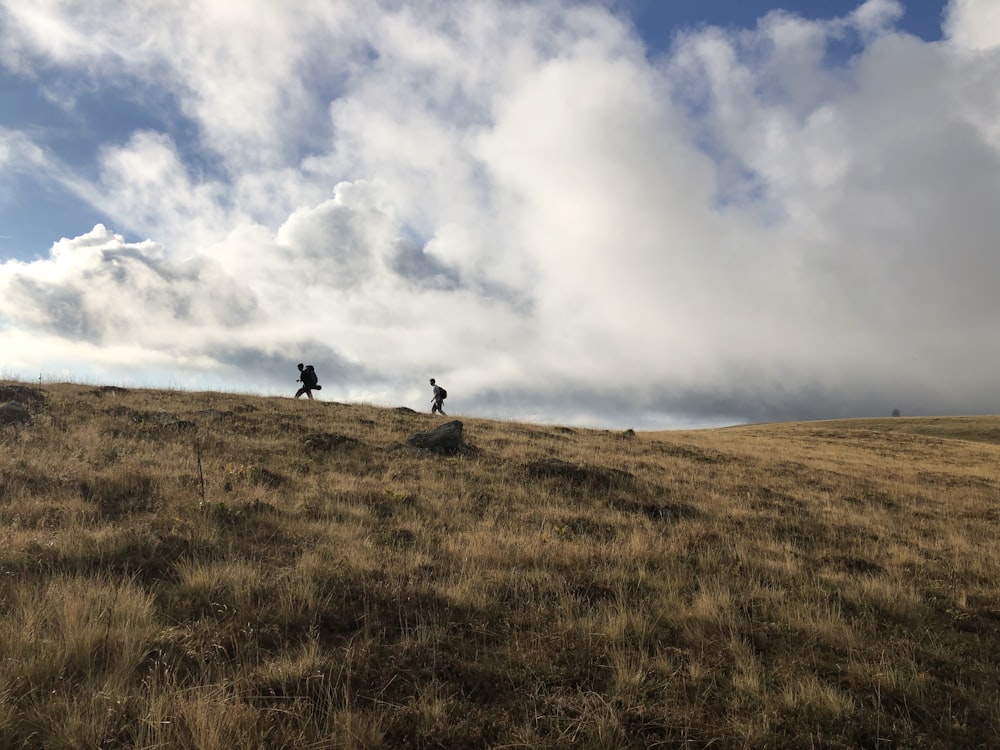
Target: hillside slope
[206,570]
[975,429]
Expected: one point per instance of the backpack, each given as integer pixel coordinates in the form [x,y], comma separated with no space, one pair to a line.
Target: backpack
[309,377]
[442,393]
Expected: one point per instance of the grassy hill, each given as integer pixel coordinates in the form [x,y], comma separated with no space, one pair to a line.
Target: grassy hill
[217,571]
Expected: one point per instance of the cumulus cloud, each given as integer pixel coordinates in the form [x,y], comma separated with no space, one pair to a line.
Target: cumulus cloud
[516,199]
[973,24]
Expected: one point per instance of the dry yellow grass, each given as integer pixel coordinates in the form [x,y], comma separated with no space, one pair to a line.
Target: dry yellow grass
[178,570]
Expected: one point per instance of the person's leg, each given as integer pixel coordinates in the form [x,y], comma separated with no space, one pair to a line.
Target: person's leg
[309,393]
[299,392]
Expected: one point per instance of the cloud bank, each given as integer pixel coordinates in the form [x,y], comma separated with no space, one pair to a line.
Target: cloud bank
[519,200]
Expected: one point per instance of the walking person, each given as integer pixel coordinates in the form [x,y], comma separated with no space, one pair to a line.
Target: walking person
[440,394]
[309,380]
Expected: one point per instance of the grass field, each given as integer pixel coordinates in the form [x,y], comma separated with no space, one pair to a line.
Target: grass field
[217,571]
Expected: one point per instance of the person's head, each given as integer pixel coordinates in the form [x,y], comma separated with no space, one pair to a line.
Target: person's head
[432,381]
[300,365]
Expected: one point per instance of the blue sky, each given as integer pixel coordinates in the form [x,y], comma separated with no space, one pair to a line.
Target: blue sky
[657,20]
[621,213]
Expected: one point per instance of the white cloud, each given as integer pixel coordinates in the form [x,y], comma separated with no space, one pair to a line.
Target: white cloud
[513,198]
[877,16]
[99,288]
[973,24]
[18,153]
[146,186]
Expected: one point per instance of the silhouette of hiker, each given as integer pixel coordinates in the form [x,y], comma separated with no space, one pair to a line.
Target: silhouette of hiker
[440,394]
[307,376]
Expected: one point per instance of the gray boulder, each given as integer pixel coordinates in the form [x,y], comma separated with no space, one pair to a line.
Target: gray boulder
[445,439]
[14,413]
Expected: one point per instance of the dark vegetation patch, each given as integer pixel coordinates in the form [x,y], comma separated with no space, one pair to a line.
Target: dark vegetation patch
[149,556]
[14,413]
[580,475]
[770,499]
[326,442]
[696,454]
[126,413]
[252,474]
[655,509]
[940,478]
[146,425]
[109,390]
[591,594]
[585,526]
[853,564]
[249,525]
[797,532]
[383,504]
[37,515]
[872,497]
[26,480]
[120,495]
[810,476]
[213,415]
[397,537]
[238,423]
[22,394]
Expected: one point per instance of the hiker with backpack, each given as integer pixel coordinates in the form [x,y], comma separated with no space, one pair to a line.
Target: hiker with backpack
[308,378]
[440,394]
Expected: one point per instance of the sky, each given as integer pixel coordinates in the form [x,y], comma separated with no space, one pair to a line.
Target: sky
[612,213]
